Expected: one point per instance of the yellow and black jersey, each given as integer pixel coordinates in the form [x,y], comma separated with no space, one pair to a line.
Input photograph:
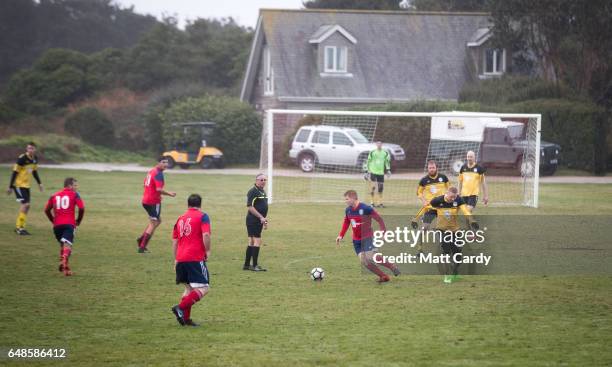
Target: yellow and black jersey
[471,178]
[447,212]
[430,187]
[23,170]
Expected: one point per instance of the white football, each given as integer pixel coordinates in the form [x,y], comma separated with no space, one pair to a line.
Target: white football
[317,274]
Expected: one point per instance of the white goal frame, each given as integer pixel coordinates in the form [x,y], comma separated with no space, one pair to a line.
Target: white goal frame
[269,130]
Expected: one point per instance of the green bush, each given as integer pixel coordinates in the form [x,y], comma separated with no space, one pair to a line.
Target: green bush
[581,128]
[512,89]
[62,148]
[238,131]
[92,126]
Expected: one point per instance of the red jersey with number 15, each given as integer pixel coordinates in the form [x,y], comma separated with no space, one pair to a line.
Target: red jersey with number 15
[153,181]
[188,230]
[63,204]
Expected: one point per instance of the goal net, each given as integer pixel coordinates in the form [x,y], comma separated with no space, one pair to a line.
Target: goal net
[316,155]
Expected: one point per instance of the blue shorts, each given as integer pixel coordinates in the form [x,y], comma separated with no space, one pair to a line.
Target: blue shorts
[64,234]
[363,245]
[194,273]
[153,210]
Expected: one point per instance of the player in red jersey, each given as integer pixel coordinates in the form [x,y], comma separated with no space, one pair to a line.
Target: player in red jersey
[359,217]
[60,211]
[151,201]
[191,244]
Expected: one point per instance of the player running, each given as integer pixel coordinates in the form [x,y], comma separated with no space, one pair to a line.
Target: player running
[359,217]
[151,201]
[379,165]
[23,170]
[430,186]
[447,207]
[191,245]
[471,178]
[60,211]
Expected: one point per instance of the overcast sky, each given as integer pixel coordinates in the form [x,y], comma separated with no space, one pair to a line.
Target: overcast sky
[243,11]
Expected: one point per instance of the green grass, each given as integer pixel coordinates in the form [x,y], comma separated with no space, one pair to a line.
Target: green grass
[116,310]
[60,148]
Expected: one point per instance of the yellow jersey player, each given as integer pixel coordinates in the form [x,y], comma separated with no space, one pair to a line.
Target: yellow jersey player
[23,170]
[471,178]
[447,209]
[432,185]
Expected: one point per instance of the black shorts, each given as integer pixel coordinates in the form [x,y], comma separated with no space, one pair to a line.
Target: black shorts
[429,216]
[254,229]
[64,233]
[22,194]
[192,272]
[448,245]
[377,178]
[471,200]
[153,210]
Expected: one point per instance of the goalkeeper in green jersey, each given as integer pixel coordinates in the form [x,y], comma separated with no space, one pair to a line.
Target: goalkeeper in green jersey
[379,164]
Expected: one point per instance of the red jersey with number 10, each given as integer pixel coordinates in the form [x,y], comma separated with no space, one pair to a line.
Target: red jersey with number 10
[153,181]
[63,204]
[188,230]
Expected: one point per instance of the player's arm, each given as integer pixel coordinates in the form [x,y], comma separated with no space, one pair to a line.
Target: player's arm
[20,163]
[485,190]
[159,185]
[421,194]
[37,178]
[415,221]
[205,226]
[460,179]
[175,236]
[49,208]
[81,206]
[345,226]
[378,218]
[387,163]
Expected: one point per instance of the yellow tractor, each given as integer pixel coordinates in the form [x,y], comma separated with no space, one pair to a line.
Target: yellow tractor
[191,147]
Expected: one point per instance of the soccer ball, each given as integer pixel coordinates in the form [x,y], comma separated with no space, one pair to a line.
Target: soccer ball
[317,274]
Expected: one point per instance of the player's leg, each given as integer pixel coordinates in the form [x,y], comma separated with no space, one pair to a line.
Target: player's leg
[372,185]
[471,202]
[457,256]
[256,247]
[365,256]
[196,274]
[447,249]
[249,251]
[380,187]
[23,197]
[154,212]
[67,240]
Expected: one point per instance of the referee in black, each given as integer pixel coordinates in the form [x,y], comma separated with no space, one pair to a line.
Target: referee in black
[256,221]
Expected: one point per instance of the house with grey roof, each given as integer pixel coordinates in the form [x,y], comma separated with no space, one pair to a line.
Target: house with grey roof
[342,58]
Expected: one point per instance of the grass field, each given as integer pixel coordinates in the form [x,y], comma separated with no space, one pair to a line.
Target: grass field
[116,309]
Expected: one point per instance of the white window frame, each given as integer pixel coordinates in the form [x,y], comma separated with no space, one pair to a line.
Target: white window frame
[496,69]
[336,67]
[268,73]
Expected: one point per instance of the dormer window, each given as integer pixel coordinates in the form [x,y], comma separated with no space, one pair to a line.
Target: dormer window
[334,44]
[494,61]
[335,59]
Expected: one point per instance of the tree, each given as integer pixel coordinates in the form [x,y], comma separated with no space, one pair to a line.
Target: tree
[29,27]
[571,39]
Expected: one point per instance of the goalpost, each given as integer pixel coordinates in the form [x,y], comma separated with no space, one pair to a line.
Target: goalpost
[316,155]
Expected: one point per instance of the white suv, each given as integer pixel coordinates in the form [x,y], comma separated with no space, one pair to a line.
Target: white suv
[333,145]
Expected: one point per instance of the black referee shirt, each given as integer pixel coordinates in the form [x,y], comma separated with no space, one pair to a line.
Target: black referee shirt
[258,199]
